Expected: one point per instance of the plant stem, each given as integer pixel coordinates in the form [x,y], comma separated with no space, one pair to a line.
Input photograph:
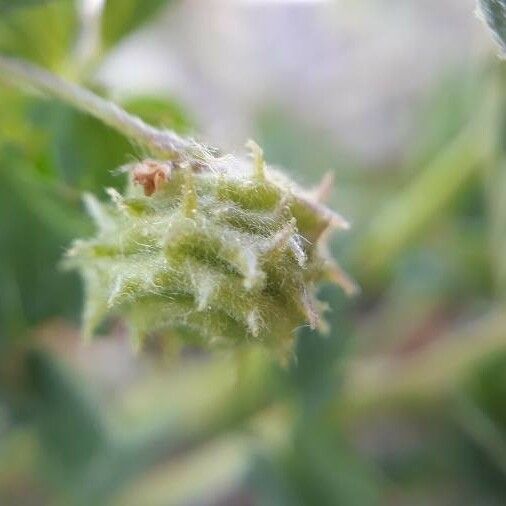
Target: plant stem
[405,215]
[161,142]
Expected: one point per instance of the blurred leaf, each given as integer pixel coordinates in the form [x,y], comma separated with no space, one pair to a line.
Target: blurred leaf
[14,129]
[19,483]
[121,17]
[86,152]
[494,14]
[324,471]
[174,482]
[67,418]
[428,376]
[317,355]
[398,223]
[41,224]
[6,5]
[487,386]
[482,459]
[482,429]
[43,33]
[496,191]
[160,112]
[447,110]
[316,467]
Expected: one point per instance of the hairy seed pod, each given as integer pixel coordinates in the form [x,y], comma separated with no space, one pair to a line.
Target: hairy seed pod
[224,251]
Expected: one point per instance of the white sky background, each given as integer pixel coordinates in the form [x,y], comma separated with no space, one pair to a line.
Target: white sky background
[354,69]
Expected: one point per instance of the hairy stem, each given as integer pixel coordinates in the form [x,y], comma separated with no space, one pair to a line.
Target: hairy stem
[161,142]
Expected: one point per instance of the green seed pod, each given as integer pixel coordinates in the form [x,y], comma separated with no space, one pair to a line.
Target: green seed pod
[212,253]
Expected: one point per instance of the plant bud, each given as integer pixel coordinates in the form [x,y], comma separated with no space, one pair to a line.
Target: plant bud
[213,253]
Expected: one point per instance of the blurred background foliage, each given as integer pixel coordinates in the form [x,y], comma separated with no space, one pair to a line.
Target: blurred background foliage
[404,402]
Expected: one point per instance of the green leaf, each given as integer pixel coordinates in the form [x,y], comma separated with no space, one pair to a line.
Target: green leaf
[42,33]
[120,17]
[494,14]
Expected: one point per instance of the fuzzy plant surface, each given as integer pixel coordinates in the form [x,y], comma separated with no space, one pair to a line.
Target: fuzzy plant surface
[215,254]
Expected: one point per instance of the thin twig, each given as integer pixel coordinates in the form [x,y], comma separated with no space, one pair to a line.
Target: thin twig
[162,142]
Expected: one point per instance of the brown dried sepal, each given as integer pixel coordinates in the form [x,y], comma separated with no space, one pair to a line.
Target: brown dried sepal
[151,174]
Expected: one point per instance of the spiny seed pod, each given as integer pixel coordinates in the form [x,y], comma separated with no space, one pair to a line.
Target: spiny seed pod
[221,252]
